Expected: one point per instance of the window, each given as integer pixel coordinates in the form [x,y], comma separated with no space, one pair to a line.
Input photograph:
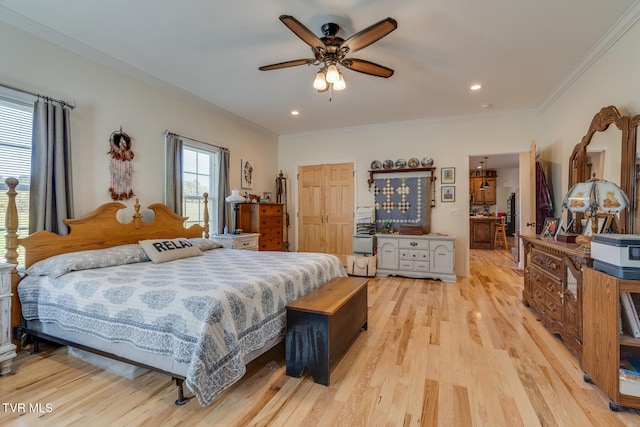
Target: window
[16,121]
[201,164]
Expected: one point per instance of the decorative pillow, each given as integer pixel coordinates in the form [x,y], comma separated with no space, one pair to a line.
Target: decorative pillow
[163,250]
[58,265]
[205,244]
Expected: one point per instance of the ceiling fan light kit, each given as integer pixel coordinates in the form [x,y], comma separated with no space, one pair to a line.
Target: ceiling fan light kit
[331,50]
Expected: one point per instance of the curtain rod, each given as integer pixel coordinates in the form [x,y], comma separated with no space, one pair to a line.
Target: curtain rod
[71,104]
[167,132]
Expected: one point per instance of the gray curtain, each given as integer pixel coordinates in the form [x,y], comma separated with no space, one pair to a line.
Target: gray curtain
[173,196]
[51,192]
[224,189]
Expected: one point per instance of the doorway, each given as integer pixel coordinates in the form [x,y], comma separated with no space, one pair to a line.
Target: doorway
[512,180]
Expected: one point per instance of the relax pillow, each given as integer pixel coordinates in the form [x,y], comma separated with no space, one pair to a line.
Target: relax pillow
[163,250]
[58,265]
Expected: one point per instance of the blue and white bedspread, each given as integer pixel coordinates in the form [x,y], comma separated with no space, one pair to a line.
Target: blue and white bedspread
[208,311]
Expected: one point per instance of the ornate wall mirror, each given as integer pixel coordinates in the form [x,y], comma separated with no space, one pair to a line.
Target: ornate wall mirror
[601,150]
[634,170]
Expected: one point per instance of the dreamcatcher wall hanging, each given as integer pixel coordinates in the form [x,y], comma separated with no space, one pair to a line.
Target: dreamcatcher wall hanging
[120,168]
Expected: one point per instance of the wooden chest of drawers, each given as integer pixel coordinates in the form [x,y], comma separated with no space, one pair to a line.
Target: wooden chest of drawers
[553,287]
[266,219]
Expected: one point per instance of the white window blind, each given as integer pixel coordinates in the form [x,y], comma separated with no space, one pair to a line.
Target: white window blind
[16,122]
[201,164]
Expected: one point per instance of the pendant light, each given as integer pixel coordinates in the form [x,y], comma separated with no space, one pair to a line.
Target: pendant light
[485,183]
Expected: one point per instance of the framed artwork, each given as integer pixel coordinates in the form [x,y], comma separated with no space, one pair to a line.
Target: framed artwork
[448,175]
[448,193]
[550,227]
[246,172]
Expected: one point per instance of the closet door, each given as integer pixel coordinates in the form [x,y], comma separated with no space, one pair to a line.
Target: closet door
[310,209]
[338,208]
[325,209]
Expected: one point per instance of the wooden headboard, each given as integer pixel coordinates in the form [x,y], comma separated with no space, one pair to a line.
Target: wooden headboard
[98,230]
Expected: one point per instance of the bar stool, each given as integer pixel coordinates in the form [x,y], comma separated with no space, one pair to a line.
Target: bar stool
[500,235]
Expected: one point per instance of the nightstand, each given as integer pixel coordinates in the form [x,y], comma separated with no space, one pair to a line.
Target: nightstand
[7,348]
[246,241]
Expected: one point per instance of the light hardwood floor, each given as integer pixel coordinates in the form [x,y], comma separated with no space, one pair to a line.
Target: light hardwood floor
[435,354]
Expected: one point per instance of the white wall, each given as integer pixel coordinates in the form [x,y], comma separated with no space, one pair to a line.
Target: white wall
[612,80]
[107,100]
[448,142]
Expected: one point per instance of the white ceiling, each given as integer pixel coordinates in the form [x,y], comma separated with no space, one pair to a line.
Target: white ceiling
[524,52]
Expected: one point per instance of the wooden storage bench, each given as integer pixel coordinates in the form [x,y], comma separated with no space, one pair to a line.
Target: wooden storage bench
[322,324]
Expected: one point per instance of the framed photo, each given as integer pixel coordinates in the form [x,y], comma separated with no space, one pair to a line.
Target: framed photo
[246,174]
[266,196]
[550,227]
[448,193]
[448,175]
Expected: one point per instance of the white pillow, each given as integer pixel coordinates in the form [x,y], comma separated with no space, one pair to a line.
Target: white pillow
[205,244]
[58,265]
[163,250]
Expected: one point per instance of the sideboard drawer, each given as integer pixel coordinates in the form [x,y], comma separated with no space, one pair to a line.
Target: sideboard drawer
[547,262]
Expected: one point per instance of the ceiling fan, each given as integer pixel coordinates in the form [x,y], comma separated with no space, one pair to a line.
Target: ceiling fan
[331,51]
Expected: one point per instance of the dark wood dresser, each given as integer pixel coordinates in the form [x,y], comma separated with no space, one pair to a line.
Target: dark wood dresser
[553,287]
[266,219]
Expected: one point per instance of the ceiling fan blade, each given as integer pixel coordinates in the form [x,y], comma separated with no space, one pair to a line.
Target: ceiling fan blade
[370,34]
[287,64]
[303,32]
[366,67]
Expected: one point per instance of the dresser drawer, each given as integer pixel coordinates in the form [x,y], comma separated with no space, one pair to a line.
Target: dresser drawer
[414,266]
[553,308]
[271,244]
[271,233]
[268,210]
[422,244]
[549,263]
[406,254]
[270,221]
[249,242]
[545,282]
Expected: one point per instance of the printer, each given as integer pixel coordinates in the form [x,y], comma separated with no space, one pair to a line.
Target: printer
[617,255]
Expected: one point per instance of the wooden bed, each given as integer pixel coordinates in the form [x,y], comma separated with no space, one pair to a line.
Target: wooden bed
[101,230]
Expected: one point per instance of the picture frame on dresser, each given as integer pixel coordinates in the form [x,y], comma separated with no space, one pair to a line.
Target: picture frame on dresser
[550,227]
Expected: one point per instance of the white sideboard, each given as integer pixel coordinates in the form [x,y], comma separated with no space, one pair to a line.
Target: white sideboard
[7,349]
[424,257]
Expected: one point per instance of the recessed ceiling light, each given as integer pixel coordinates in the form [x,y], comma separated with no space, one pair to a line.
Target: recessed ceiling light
[476,86]
[295,112]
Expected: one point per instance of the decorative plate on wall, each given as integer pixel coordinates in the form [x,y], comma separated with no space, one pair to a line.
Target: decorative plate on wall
[388,164]
[376,165]
[427,162]
[413,162]
[401,163]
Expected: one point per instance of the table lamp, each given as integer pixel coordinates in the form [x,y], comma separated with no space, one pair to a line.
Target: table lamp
[591,197]
[234,199]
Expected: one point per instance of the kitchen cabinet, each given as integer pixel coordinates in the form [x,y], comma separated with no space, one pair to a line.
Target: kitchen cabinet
[482,231]
[486,196]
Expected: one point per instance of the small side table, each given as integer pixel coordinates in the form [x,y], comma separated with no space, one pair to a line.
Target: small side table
[7,348]
[245,241]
